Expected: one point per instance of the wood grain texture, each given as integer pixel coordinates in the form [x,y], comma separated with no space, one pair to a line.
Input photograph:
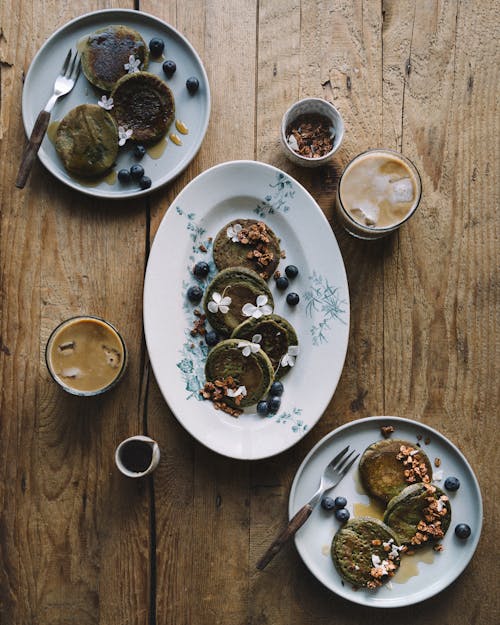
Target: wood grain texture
[78,543]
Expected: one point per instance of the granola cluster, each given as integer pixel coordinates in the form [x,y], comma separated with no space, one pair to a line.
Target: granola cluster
[386,430]
[388,566]
[415,470]
[310,136]
[217,392]
[429,528]
[257,236]
[199,324]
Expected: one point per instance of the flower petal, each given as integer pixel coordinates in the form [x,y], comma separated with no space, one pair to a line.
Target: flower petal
[248,309]
[293,350]
[266,309]
[246,350]
[284,360]
[261,300]
[225,301]
[217,297]
[256,338]
[257,313]
[212,307]
[255,347]
[223,309]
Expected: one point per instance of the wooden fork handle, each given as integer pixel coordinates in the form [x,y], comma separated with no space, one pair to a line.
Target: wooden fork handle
[295,523]
[31,150]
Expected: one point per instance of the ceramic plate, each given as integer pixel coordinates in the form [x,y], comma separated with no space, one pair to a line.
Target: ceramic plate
[432,571]
[247,189]
[193,111]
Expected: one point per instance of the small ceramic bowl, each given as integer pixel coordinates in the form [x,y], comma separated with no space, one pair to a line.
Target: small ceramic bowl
[137,456]
[312,106]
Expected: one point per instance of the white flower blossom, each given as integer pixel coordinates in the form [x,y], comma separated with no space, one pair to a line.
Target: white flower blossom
[123,135]
[133,64]
[105,103]
[219,303]
[241,390]
[288,359]
[232,232]
[261,308]
[250,347]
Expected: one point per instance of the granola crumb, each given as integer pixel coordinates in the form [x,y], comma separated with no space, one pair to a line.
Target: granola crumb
[216,392]
[202,248]
[198,324]
[427,440]
[282,254]
[310,135]
[386,430]
[277,274]
[419,437]
[438,547]
[437,462]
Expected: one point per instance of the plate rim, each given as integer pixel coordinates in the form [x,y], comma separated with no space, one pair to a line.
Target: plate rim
[388,420]
[170,210]
[45,160]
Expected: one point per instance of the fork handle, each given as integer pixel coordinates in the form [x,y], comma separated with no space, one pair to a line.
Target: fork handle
[31,149]
[295,523]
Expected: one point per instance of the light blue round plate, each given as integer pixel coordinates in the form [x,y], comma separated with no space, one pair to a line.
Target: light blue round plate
[313,540]
[193,111]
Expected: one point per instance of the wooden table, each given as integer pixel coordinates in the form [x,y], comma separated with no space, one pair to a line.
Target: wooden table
[80,543]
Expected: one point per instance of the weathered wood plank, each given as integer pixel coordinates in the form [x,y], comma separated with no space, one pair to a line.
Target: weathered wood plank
[202,500]
[74,533]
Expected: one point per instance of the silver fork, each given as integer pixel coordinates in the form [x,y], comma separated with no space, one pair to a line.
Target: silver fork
[334,471]
[63,84]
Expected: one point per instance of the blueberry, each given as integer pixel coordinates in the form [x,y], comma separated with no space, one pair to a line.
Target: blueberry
[137,172]
[462,530]
[291,271]
[139,151]
[145,182]
[452,483]
[276,388]
[282,283]
[169,68]
[327,503]
[262,408]
[274,403]
[211,338]
[156,46]
[342,515]
[292,299]
[201,269]
[124,175]
[192,85]
[340,502]
[194,294]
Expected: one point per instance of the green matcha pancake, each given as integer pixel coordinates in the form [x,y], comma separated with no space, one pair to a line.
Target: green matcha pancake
[389,465]
[234,295]
[251,369]
[106,52]
[366,552]
[419,515]
[277,336]
[247,243]
[87,141]
[143,103]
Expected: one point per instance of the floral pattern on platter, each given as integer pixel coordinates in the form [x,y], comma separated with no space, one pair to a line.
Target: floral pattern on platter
[292,418]
[194,350]
[282,192]
[323,300]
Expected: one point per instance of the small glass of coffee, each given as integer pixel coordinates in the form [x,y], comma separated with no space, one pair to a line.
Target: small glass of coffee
[137,456]
[86,355]
[378,191]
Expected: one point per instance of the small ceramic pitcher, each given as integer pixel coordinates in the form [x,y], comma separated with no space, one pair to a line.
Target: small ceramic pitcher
[137,456]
